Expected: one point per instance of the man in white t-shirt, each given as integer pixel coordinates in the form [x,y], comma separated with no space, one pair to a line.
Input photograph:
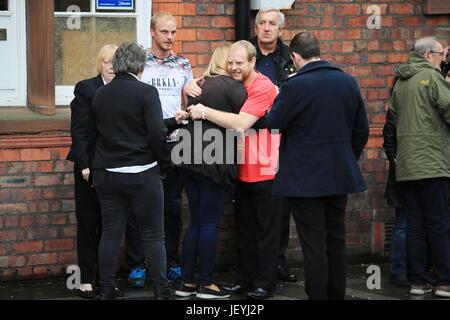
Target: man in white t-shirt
[168,73]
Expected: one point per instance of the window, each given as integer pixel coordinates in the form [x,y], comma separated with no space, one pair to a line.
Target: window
[3,5]
[82,27]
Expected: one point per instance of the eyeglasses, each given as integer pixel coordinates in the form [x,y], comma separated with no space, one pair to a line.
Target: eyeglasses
[439,53]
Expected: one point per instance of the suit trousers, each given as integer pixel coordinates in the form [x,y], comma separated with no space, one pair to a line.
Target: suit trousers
[257,222]
[321,227]
[89,227]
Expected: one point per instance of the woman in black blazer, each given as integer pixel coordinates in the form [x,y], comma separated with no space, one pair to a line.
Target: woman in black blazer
[129,135]
[87,206]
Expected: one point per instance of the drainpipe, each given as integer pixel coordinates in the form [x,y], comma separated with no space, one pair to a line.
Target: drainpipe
[242,8]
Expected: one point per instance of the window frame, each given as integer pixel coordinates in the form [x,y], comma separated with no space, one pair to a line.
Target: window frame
[64,94]
[16,11]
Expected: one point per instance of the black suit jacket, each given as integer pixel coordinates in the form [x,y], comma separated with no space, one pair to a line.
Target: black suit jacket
[80,105]
[127,125]
[324,128]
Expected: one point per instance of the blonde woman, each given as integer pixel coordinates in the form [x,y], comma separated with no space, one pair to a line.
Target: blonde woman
[207,185]
[87,206]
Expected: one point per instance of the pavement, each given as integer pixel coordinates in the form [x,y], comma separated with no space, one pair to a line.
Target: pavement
[357,288]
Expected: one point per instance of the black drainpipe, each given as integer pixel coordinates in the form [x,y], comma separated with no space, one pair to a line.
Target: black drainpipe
[242,8]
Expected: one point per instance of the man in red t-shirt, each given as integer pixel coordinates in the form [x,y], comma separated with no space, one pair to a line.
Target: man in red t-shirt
[257,221]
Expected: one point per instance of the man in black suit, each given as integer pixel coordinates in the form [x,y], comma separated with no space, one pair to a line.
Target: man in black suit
[324,128]
[87,206]
[129,135]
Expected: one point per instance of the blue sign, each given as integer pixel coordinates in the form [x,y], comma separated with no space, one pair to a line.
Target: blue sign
[115,4]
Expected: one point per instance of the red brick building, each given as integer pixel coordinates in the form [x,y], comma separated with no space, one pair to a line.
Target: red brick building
[38,51]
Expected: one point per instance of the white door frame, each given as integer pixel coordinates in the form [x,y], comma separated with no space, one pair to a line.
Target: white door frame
[17,97]
[64,94]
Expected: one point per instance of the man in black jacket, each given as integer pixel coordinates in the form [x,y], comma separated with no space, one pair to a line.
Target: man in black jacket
[273,61]
[324,128]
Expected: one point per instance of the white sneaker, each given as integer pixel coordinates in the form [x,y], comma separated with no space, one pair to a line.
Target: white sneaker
[442,291]
[420,290]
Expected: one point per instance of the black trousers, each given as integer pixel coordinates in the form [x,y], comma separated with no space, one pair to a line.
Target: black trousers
[257,222]
[427,229]
[173,224]
[89,227]
[143,193]
[285,229]
[321,227]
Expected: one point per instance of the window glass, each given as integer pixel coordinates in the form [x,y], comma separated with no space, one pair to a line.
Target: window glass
[3,5]
[76,50]
[63,5]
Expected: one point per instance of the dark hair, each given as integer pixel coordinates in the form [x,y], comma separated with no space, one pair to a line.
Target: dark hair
[306,45]
[129,57]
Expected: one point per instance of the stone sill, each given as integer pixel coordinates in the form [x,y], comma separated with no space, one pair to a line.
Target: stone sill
[24,121]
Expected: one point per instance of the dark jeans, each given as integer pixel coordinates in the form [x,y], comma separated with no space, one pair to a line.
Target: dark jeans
[207,201]
[321,227]
[143,193]
[397,255]
[257,222]
[426,204]
[173,223]
[89,227]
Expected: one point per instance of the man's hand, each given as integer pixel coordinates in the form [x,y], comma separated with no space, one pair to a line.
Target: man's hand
[181,116]
[197,111]
[192,88]
[86,173]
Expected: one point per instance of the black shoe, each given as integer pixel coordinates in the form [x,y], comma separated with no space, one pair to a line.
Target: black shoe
[111,293]
[206,293]
[235,288]
[285,275]
[260,294]
[163,293]
[86,294]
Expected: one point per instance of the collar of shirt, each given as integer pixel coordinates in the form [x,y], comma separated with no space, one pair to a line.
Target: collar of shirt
[134,76]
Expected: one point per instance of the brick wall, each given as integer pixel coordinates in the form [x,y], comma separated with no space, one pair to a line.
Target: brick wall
[37,225]
[37,222]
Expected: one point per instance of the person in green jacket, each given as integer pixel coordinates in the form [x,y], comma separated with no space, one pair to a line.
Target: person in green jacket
[421,103]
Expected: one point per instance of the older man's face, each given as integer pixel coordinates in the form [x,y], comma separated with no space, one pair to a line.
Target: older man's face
[437,56]
[268,29]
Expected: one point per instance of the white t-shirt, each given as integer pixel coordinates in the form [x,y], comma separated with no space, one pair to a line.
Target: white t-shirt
[169,76]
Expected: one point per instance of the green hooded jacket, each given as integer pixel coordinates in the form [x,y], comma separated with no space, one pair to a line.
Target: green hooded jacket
[421,102]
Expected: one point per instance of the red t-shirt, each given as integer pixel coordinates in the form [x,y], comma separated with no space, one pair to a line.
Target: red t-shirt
[261,147]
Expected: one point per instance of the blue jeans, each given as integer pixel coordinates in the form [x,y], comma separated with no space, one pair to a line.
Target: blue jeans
[397,257]
[206,202]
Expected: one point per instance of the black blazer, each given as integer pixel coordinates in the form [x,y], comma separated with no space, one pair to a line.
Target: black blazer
[80,105]
[324,128]
[127,125]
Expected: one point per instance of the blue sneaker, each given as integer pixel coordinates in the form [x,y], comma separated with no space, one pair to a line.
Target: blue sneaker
[136,278]
[174,273]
